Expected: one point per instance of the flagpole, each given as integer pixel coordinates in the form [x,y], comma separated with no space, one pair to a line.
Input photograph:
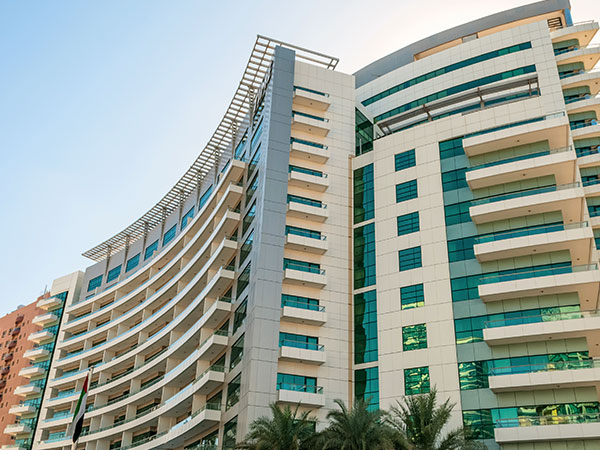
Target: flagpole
[84,406]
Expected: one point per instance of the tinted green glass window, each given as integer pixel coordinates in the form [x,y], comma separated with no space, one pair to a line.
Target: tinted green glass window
[465,288]
[233,391]
[404,160]
[252,186]
[406,191]
[248,218]
[409,258]
[113,273]
[298,341]
[150,250]
[187,217]
[230,434]
[295,301]
[457,213]
[454,179]
[364,197]
[364,133]
[94,283]
[253,163]
[169,235]
[246,247]
[301,383]
[366,386]
[461,249]
[408,223]
[237,352]
[364,256]
[204,197]
[243,280]
[451,148]
[414,337]
[365,327]
[412,296]
[416,381]
[132,262]
[240,315]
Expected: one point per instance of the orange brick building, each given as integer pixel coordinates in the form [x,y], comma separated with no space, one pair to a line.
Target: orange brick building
[14,330]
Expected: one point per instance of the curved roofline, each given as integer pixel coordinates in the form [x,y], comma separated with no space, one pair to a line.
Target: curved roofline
[256,72]
[406,55]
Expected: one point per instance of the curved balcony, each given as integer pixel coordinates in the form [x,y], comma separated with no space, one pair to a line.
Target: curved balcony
[547,428]
[40,336]
[565,198]
[558,162]
[308,150]
[222,254]
[554,375]
[541,328]
[589,130]
[582,31]
[214,208]
[582,279]
[49,304]
[590,78]
[583,104]
[575,237]
[588,55]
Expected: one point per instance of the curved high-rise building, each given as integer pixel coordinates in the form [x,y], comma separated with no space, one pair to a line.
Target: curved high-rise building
[429,221]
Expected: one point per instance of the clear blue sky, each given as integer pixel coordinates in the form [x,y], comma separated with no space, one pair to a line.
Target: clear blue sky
[104,104]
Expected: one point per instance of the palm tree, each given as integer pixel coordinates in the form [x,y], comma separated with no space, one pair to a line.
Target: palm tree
[356,429]
[419,424]
[287,430]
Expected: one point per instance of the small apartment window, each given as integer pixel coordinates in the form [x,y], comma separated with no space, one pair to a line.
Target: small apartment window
[248,218]
[414,337]
[237,353]
[243,280]
[113,273]
[412,296]
[169,235]
[300,383]
[240,315]
[246,247]
[233,391]
[298,341]
[150,250]
[416,381]
[405,160]
[204,197]
[187,217]
[94,283]
[406,191]
[132,262]
[408,223]
[410,258]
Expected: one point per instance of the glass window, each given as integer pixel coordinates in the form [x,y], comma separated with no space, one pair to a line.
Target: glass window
[366,386]
[302,232]
[169,235]
[408,223]
[404,160]
[248,218]
[298,341]
[132,262]
[416,381]
[243,280]
[406,191]
[412,296]
[300,383]
[414,337]
[303,266]
[257,134]
[365,327]
[113,273]
[237,353]
[233,391]
[187,217]
[465,288]
[304,200]
[246,247]
[364,133]
[410,258]
[240,315]
[451,148]
[295,301]
[204,197]
[230,434]
[454,179]
[457,213]
[150,250]
[94,283]
[253,163]
[364,196]
[461,249]
[364,256]
[252,186]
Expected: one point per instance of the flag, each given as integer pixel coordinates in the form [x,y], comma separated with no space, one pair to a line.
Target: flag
[77,423]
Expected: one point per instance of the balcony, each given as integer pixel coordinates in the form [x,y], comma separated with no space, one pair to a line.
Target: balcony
[298,272]
[210,380]
[554,129]
[302,312]
[217,312]
[590,79]
[547,428]
[588,55]
[582,31]
[307,209]
[49,304]
[220,281]
[213,345]
[302,352]
[36,353]
[27,389]
[17,428]
[31,371]
[555,375]
[309,123]
[312,243]
[300,394]
[308,179]
[19,410]
[310,151]
[565,198]
[582,279]
[558,162]
[40,336]
[575,237]
[311,98]
[542,328]
[585,131]
[44,319]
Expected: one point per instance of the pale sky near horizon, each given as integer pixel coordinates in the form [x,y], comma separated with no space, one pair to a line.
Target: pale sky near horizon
[104,105]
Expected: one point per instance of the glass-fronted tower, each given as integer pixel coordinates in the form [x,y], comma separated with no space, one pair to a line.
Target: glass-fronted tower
[427,221]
